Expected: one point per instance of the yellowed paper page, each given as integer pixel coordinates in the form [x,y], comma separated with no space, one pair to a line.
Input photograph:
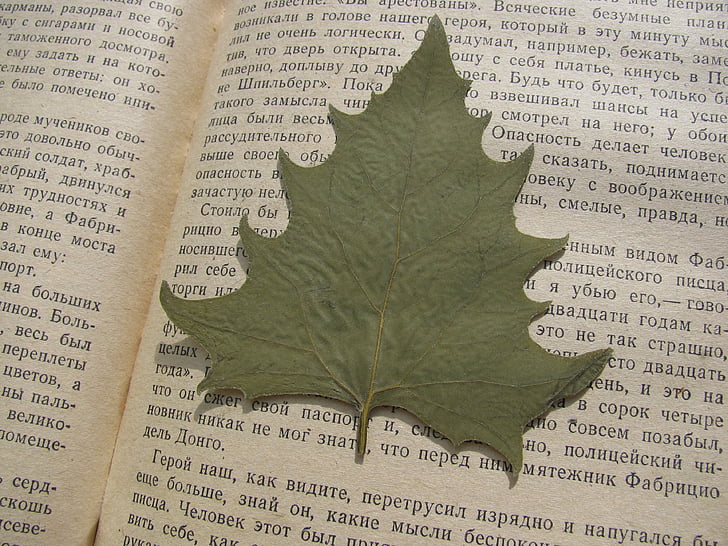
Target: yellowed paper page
[96,105]
[624,103]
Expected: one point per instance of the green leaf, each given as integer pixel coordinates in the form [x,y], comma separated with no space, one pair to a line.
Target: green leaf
[399,280]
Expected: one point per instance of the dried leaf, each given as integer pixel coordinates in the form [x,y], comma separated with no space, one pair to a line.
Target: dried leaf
[399,280]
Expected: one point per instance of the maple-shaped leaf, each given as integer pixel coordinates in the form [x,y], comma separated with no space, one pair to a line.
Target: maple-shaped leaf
[399,279]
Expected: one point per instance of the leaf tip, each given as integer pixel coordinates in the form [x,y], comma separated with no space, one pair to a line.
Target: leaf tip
[288,170]
[435,23]
[528,153]
[165,295]
[338,117]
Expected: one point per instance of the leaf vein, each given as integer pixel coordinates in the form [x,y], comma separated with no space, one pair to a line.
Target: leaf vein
[307,326]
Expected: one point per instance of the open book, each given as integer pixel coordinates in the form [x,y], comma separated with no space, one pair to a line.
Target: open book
[134,135]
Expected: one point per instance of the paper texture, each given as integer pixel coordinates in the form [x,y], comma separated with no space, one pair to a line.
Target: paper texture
[95,126]
[624,103]
[609,108]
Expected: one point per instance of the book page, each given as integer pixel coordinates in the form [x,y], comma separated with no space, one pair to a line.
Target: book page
[625,105]
[96,105]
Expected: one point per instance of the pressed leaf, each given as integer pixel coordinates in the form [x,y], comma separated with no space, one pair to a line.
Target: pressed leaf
[399,279]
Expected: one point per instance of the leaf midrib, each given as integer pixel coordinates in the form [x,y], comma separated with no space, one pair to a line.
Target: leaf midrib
[366,408]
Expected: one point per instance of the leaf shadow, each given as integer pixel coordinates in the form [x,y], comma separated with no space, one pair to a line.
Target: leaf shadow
[241,256]
[175,354]
[197,363]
